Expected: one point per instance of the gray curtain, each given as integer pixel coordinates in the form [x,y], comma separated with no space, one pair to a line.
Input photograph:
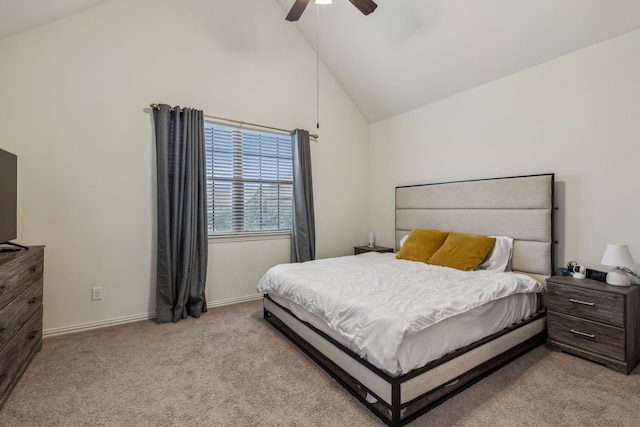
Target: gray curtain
[303,233]
[182,219]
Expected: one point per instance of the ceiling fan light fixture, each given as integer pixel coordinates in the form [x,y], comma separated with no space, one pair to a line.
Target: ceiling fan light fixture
[364,6]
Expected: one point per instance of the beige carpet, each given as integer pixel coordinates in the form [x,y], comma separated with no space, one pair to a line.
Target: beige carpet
[231,368]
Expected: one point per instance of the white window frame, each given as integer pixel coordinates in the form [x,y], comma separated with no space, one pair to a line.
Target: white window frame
[237,182]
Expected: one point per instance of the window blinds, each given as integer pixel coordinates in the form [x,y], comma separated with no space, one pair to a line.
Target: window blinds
[249,180]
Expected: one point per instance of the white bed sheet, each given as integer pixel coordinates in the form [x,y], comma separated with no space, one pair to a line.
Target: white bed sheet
[423,344]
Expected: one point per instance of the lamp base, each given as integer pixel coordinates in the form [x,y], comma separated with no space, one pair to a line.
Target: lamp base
[618,277]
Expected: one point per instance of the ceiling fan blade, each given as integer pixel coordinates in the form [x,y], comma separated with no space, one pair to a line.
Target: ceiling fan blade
[364,6]
[297,9]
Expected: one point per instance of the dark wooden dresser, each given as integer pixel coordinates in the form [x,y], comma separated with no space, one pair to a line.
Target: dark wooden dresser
[594,320]
[20,314]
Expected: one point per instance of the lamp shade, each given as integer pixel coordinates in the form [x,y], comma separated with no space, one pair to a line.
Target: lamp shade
[617,256]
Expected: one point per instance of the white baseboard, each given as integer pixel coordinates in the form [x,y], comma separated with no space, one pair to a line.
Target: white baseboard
[95,325]
[135,318]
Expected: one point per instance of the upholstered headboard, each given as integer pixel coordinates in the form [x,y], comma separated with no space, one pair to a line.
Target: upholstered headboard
[520,207]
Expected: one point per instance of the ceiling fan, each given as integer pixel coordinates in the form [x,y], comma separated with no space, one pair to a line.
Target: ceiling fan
[364,6]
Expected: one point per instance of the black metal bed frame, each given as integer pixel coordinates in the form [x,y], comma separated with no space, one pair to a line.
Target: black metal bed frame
[398,414]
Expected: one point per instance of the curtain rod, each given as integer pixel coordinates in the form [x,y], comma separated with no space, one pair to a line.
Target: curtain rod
[311,135]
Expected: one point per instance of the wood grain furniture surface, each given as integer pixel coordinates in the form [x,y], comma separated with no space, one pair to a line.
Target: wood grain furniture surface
[595,321]
[20,314]
[520,207]
[363,249]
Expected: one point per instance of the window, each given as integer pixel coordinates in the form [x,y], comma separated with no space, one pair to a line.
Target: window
[249,180]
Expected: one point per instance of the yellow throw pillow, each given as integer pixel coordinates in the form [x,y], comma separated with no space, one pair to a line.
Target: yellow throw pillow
[462,251]
[421,244]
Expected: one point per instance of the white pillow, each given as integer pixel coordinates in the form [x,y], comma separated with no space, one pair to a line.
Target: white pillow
[404,239]
[499,257]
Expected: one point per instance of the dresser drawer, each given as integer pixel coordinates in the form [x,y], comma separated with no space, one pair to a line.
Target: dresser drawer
[17,273]
[18,311]
[29,338]
[8,326]
[586,335]
[590,304]
[8,365]
[21,281]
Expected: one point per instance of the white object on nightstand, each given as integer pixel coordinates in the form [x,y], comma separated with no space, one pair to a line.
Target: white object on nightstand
[579,272]
[618,256]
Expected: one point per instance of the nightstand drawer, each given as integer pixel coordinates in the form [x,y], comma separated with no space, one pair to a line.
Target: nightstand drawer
[586,335]
[605,307]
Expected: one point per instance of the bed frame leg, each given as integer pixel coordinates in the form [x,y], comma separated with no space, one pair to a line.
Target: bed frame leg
[395,405]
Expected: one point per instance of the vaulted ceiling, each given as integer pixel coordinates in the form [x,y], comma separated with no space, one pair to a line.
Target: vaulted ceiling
[21,15]
[409,53]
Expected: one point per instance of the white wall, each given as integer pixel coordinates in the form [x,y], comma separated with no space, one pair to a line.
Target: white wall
[577,116]
[75,96]
[74,109]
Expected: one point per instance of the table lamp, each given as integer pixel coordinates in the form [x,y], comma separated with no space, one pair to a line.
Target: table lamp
[619,257]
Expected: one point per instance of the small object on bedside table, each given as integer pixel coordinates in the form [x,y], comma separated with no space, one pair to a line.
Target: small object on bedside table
[595,321]
[362,249]
[372,240]
[619,257]
[600,276]
[579,272]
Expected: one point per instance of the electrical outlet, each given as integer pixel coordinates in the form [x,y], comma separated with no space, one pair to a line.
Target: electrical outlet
[96,293]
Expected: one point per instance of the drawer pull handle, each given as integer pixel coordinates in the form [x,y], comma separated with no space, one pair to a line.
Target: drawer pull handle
[2,377]
[33,335]
[33,300]
[2,288]
[33,268]
[577,301]
[583,334]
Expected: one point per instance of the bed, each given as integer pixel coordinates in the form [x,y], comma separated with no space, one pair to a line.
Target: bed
[401,375]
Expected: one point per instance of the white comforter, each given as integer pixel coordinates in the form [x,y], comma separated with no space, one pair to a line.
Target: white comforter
[374,300]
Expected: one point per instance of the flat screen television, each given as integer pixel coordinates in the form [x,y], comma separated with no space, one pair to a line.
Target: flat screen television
[8,196]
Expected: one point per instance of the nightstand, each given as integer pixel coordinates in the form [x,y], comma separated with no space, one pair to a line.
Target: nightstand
[594,320]
[362,249]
